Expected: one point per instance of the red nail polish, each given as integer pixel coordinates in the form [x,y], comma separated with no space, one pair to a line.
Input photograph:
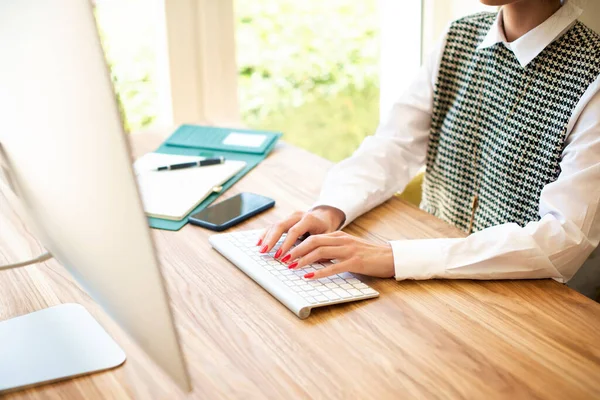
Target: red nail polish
[286,258]
[259,242]
[292,266]
[264,249]
[278,253]
[309,275]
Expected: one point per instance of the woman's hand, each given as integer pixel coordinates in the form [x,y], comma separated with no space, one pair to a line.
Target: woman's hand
[322,219]
[352,254]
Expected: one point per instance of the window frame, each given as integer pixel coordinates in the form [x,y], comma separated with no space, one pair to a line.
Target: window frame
[202,61]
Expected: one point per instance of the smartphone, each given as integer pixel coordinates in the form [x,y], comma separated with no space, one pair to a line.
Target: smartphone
[232,211]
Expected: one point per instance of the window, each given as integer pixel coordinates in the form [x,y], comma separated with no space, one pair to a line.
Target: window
[133,36]
[310,69]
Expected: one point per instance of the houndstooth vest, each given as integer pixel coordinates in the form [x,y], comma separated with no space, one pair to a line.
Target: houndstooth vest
[498,129]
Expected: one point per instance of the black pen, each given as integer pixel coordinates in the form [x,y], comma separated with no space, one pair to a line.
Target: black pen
[201,163]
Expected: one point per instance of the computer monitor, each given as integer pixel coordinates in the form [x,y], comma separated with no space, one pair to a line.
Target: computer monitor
[70,163]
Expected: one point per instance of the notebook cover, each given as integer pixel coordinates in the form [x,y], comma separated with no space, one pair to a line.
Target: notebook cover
[213,138]
[194,139]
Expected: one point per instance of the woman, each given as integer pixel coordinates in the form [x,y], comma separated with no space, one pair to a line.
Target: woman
[506,117]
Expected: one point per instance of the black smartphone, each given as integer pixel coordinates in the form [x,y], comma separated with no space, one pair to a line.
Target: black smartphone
[232,211]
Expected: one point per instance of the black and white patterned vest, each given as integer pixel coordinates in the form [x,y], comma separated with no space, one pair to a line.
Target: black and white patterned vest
[498,129]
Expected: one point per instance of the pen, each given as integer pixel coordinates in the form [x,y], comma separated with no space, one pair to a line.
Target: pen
[201,163]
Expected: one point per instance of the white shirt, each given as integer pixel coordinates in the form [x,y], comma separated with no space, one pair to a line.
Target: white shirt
[553,247]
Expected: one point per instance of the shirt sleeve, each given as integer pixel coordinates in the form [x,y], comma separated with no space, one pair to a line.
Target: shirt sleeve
[385,162]
[554,247]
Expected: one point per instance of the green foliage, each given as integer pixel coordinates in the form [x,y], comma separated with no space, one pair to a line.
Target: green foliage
[331,126]
[129,48]
[309,69]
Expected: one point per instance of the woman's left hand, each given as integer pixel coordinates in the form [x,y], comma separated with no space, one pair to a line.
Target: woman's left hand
[352,254]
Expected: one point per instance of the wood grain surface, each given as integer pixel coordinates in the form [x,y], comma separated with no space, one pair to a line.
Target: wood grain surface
[428,339]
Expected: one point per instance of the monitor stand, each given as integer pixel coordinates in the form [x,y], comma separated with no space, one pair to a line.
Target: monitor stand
[50,345]
[53,344]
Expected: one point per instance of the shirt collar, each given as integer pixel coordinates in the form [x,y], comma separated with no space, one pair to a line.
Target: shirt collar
[528,46]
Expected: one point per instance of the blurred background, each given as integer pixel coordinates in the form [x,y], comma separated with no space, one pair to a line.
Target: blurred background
[321,72]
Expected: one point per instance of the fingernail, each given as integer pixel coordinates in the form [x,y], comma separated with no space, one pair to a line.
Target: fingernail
[292,266]
[286,258]
[309,275]
[278,253]
[259,242]
[264,249]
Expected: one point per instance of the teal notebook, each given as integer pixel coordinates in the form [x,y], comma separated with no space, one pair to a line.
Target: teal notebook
[207,141]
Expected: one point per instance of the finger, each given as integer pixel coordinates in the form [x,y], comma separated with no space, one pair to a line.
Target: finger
[326,252]
[261,236]
[277,230]
[312,243]
[294,234]
[333,269]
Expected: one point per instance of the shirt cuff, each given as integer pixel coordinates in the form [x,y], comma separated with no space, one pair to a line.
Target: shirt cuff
[421,259]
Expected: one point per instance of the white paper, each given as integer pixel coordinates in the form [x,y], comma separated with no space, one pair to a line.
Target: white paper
[173,194]
[244,139]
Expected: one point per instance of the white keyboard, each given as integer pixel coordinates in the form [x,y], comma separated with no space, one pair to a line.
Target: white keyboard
[288,286]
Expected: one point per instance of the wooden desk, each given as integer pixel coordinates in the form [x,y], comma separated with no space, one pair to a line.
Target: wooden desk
[431,339]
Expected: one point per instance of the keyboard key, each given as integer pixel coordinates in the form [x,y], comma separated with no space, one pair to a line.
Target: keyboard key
[355,292]
[346,286]
[360,286]
[297,289]
[309,269]
[342,293]
[322,289]
[332,285]
[368,290]
[289,283]
[332,296]
[314,293]
[311,300]
[316,283]
[294,278]
[286,272]
[307,288]
[321,298]
[318,266]
[352,281]
[338,281]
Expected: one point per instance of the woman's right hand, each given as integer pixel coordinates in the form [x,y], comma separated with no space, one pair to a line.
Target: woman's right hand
[321,219]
